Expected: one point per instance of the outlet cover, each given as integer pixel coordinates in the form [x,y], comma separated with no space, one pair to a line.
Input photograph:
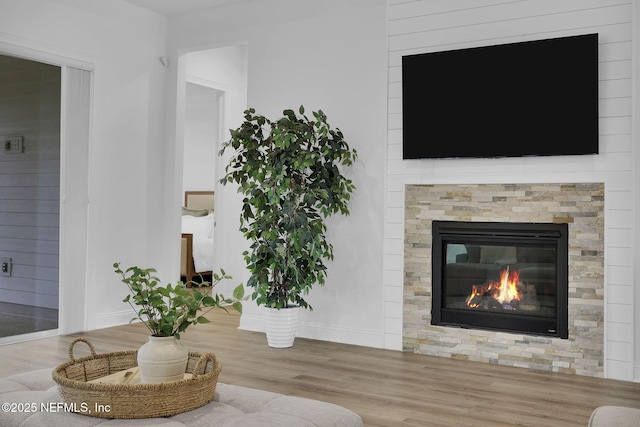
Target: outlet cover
[13,144]
[6,267]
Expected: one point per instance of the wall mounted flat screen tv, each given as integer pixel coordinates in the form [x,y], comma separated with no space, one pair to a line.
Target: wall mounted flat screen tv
[537,98]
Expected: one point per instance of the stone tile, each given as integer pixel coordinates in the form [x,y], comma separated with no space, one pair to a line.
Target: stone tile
[581,205]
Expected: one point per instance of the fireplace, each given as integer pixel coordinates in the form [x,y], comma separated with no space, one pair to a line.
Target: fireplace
[578,205]
[501,276]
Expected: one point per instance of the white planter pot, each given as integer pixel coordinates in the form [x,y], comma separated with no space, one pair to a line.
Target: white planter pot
[281,326]
[162,359]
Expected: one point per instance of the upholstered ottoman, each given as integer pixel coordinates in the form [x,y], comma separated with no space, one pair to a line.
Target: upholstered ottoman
[30,400]
[615,416]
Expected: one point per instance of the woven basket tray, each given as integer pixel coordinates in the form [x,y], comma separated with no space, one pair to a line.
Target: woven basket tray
[133,400]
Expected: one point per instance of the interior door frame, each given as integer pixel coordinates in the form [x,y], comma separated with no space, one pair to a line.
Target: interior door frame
[221,90]
[74,167]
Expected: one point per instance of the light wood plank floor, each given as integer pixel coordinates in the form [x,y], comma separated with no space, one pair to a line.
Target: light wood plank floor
[387,388]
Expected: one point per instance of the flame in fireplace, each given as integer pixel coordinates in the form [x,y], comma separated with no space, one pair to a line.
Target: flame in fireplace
[505,291]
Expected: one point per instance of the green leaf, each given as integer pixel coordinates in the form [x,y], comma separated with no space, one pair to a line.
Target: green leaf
[237,306]
[290,174]
[238,292]
[208,301]
[168,310]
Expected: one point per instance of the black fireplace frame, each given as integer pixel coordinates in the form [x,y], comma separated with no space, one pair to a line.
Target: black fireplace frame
[501,233]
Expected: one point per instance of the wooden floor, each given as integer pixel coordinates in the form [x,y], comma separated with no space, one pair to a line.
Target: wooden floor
[387,388]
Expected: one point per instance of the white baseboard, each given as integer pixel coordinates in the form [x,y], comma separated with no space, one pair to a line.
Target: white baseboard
[117,318]
[354,336]
[254,322]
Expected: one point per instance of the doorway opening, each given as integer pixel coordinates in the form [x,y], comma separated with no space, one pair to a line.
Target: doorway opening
[30,109]
[215,91]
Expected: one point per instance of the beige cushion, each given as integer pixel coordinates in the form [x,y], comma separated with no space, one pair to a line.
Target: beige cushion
[231,406]
[615,416]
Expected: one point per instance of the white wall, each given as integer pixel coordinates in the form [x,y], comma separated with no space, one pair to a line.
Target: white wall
[433,25]
[311,53]
[200,138]
[121,43]
[635,141]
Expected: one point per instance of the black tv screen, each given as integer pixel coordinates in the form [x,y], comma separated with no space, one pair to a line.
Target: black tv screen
[537,98]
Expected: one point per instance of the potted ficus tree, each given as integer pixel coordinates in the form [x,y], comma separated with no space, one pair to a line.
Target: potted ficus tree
[167,311]
[289,173]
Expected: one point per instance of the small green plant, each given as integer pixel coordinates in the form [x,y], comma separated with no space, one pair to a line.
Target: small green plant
[289,173]
[169,311]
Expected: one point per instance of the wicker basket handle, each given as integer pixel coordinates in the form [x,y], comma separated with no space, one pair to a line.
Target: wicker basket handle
[74,342]
[201,364]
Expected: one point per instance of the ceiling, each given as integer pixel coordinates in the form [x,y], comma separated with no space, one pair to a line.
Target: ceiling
[177,7]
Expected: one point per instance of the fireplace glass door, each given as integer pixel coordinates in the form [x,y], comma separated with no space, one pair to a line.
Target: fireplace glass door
[502,276]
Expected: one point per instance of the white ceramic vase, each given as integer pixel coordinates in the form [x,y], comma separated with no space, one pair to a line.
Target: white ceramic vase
[162,359]
[281,326]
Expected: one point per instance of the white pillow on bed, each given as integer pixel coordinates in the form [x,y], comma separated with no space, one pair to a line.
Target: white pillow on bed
[200,226]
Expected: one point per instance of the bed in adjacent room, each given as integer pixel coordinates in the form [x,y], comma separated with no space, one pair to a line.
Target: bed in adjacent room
[198,221]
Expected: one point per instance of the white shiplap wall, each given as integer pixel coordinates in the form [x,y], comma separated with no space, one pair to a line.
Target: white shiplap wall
[30,181]
[417,26]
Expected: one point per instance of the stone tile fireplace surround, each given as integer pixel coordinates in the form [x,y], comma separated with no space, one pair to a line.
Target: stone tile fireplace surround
[581,205]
